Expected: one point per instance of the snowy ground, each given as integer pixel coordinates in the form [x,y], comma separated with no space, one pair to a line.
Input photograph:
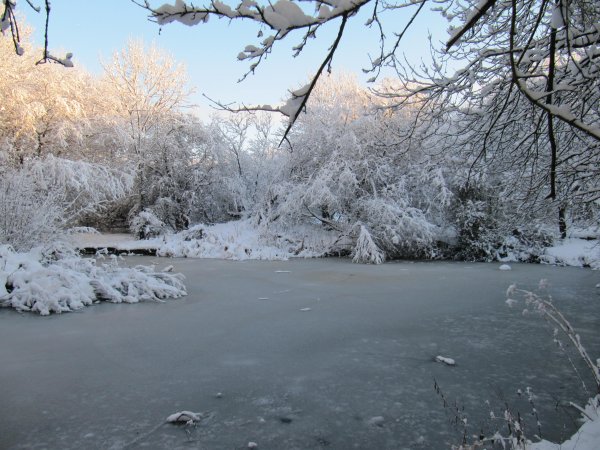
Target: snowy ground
[299,354]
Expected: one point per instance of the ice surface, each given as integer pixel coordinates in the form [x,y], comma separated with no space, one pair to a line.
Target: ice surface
[111,374]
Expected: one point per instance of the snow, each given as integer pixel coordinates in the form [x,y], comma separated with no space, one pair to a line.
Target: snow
[324,12]
[243,240]
[366,250]
[445,360]
[284,14]
[232,240]
[240,240]
[377,421]
[573,252]
[586,438]
[56,280]
[291,108]
[184,417]
[171,13]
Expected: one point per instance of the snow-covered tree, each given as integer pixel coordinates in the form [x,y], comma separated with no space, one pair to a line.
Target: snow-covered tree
[523,101]
[550,41]
[346,173]
[525,94]
[148,92]
[45,109]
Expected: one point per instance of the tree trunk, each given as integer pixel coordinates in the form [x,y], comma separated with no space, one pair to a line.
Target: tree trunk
[562,221]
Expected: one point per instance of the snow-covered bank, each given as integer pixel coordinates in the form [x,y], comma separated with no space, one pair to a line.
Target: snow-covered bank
[574,252]
[58,280]
[242,240]
[238,240]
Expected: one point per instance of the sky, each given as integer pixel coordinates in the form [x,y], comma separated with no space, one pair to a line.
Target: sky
[93,30]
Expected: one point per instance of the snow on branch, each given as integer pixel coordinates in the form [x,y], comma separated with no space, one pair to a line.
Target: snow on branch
[280,18]
[366,250]
[542,100]
[9,21]
[477,13]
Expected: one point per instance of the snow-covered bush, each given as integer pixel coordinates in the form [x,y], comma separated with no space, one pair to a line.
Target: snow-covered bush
[525,243]
[238,240]
[401,231]
[146,225]
[366,251]
[28,215]
[85,187]
[43,195]
[56,279]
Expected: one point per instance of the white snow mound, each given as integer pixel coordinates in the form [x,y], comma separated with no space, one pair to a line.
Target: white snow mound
[444,360]
[573,252]
[184,417]
[59,280]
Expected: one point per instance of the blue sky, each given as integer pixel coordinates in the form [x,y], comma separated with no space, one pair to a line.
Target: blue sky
[94,29]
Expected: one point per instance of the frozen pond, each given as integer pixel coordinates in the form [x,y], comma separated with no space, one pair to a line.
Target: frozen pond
[305,354]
